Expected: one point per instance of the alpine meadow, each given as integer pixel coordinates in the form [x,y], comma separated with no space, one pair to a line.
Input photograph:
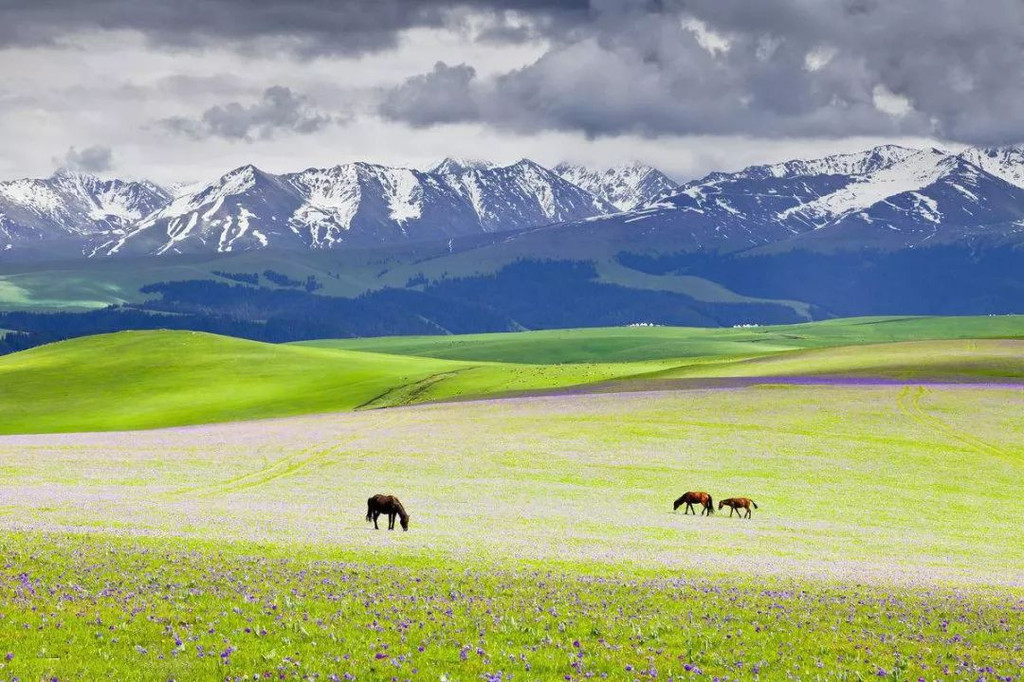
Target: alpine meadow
[511,340]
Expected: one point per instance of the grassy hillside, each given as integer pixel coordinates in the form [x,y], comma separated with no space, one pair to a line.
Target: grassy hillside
[132,380]
[963,360]
[146,379]
[135,380]
[619,344]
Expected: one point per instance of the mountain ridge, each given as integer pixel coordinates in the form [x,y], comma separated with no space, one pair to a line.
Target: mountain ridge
[889,195]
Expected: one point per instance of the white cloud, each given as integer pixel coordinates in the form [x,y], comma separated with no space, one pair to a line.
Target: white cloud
[889,102]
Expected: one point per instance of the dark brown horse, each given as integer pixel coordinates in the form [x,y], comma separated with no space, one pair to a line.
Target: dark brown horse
[386,504]
[692,498]
[737,503]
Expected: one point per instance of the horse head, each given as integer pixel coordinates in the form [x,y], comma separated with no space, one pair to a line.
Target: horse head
[405,522]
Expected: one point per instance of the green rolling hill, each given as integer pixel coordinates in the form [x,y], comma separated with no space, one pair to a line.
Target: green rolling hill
[138,380]
[617,344]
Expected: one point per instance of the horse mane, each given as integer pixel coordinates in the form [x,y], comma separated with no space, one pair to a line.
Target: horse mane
[402,514]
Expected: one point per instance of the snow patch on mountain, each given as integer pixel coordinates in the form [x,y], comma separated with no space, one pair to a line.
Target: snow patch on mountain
[913,196]
[626,187]
[455,165]
[73,205]
[899,173]
[1006,163]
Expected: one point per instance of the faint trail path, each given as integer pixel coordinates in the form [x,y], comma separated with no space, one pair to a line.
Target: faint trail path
[909,400]
[282,468]
[408,393]
[279,469]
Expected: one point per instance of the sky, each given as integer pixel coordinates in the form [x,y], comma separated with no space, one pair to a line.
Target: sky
[184,90]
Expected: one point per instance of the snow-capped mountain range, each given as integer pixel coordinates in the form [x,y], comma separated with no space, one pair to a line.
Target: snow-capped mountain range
[247,208]
[886,197]
[890,196]
[74,206]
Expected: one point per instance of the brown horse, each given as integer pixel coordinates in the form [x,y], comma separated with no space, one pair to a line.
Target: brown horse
[692,498]
[737,503]
[386,504]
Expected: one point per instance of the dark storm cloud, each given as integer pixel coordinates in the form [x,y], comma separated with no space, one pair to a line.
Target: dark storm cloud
[305,26]
[766,68]
[779,68]
[95,159]
[442,96]
[279,110]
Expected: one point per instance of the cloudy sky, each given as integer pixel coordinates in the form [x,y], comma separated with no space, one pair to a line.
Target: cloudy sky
[183,90]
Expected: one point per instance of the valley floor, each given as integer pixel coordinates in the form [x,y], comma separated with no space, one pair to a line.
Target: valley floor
[907,483]
[542,543]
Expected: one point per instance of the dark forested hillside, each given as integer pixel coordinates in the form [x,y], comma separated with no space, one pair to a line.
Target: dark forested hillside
[942,280]
[525,294]
[548,294]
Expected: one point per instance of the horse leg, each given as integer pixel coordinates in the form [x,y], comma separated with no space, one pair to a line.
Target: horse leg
[748,512]
[375,515]
[391,521]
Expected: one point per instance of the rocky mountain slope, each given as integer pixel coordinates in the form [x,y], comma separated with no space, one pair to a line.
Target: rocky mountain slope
[887,197]
[627,188]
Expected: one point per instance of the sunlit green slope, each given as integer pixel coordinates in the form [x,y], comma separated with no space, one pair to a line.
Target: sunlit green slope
[614,344]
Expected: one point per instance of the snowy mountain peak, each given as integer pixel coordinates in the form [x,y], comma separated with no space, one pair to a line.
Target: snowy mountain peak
[359,203]
[857,163]
[1006,163]
[453,166]
[901,193]
[71,204]
[626,187]
[242,176]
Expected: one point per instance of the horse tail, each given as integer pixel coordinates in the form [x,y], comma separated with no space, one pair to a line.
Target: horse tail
[711,505]
[369,509]
[754,503]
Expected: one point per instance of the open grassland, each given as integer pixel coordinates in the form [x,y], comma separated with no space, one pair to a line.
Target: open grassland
[82,608]
[542,542]
[136,380]
[623,344]
[905,482]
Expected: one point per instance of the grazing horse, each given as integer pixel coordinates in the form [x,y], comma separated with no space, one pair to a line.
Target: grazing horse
[386,504]
[692,498]
[737,503]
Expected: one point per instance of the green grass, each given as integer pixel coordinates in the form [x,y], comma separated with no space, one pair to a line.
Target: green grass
[886,541]
[91,608]
[137,380]
[883,482]
[542,542]
[148,379]
[617,344]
